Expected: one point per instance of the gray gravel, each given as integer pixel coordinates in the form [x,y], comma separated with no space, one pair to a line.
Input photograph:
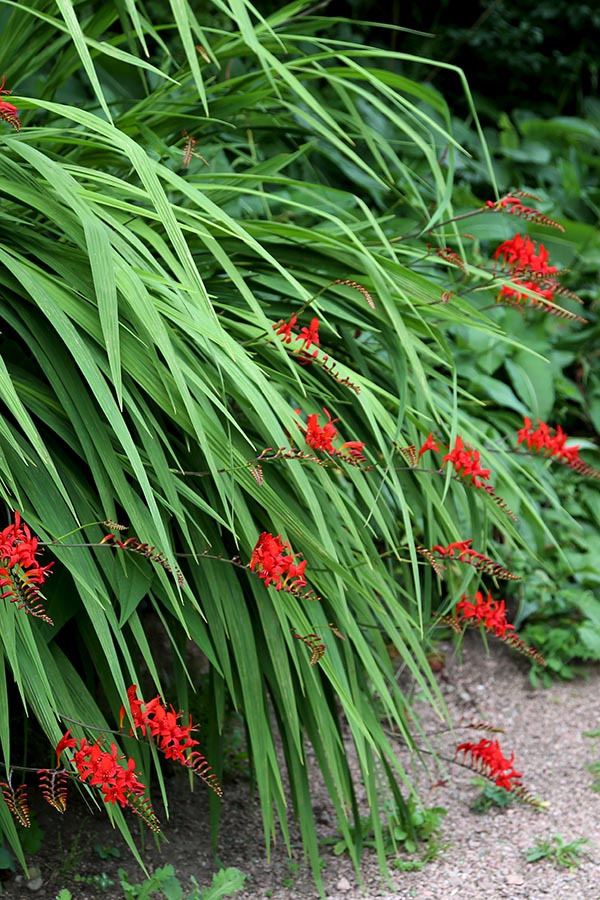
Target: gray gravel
[485,857]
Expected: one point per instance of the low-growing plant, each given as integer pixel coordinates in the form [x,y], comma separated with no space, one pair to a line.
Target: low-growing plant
[107,852]
[405,827]
[565,632]
[556,850]
[164,883]
[433,848]
[594,767]
[100,881]
[293,872]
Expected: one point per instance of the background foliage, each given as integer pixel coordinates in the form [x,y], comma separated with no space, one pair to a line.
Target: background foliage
[515,54]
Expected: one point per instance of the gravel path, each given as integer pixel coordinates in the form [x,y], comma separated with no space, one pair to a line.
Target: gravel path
[484,859]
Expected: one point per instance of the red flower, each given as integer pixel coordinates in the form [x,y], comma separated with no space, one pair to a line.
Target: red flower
[525,431]
[163,725]
[170,736]
[489,612]
[101,768]
[19,548]
[507,203]
[487,758]
[135,707]
[65,742]
[513,296]
[464,552]
[430,444]
[466,462]
[285,329]
[8,112]
[320,437]
[273,561]
[551,441]
[520,256]
[309,335]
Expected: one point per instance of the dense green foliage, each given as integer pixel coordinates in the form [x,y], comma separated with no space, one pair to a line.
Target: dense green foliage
[142,377]
[557,159]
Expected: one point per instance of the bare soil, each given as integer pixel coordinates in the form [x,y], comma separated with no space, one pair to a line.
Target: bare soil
[481,856]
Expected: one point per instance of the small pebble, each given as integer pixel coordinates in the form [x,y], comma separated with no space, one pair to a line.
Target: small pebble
[35,880]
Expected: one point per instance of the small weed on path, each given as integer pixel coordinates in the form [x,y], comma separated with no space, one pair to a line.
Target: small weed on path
[594,767]
[566,855]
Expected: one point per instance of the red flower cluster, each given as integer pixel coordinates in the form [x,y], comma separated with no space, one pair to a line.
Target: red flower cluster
[467,465]
[466,462]
[20,574]
[550,440]
[520,256]
[170,736]
[489,612]
[308,336]
[19,548]
[101,768]
[273,561]
[321,437]
[486,757]
[162,724]
[8,112]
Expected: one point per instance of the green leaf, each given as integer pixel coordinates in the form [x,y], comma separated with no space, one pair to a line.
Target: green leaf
[532,381]
[225,882]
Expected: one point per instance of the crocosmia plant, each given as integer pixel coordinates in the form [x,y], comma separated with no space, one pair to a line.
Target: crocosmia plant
[242,463]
